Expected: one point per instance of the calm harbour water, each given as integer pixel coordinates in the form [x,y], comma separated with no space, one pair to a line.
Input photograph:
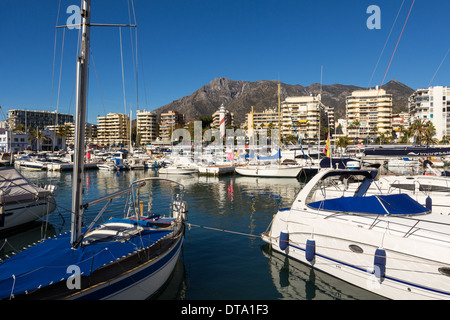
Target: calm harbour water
[214,265]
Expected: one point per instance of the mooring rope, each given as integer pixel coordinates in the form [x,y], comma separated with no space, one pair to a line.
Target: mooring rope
[266,235]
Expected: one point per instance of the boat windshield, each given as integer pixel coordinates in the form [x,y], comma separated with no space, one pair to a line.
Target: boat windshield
[340,181]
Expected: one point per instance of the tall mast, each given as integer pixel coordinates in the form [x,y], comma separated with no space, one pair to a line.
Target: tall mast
[279,123]
[80,119]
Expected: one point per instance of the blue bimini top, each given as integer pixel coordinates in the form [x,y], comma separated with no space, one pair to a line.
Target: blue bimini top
[48,262]
[394,204]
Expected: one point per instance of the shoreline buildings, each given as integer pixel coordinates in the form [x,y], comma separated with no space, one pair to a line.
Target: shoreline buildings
[37,119]
[170,121]
[432,104]
[307,116]
[146,126]
[303,115]
[113,129]
[369,112]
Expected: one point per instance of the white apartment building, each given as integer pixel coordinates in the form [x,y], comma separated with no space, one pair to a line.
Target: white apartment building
[262,119]
[14,141]
[432,104]
[307,116]
[368,113]
[114,129]
[170,121]
[146,124]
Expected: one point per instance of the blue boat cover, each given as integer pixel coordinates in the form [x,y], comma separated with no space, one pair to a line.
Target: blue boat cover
[272,157]
[394,204]
[48,261]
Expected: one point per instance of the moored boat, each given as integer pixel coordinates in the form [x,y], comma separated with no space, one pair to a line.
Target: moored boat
[388,244]
[21,201]
[123,258]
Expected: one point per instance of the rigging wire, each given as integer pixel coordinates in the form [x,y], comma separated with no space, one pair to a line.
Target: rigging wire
[429,84]
[135,62]
[121,61]
[60,72]
[387,40]
[54,54]
[395,49]
[75,78]
[98,83]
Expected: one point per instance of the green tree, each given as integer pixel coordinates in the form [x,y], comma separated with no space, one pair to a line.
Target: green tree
[343,142]
[37,136]
[423,131]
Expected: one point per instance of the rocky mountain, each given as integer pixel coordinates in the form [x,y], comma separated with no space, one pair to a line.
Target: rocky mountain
[239,96]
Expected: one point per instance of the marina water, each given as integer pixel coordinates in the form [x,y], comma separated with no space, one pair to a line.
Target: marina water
[223,257]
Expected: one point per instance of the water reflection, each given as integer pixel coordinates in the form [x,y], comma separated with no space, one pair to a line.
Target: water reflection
[214,264]
[297,281]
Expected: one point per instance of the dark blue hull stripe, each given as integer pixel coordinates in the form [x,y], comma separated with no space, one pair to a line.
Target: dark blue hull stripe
[127,282]
[364,270]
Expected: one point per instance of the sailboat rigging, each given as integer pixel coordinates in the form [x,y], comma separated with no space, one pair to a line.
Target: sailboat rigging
[123,258]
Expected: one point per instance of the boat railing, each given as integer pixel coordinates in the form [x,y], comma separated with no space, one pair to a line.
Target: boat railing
[398,225]
[176,208]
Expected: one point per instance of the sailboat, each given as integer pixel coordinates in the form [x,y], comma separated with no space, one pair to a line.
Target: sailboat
[128,258]
[278,169]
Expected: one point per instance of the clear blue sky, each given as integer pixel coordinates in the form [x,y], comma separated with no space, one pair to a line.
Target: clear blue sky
[185,44]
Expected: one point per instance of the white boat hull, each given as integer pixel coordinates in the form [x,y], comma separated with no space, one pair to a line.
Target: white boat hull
[170,170]
[216,170]
[18,214]
[261,171]
[407,275]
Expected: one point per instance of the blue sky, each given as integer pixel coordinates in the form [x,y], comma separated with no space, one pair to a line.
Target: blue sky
[185,44]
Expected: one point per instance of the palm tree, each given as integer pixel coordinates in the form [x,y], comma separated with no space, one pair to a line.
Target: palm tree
[423,130]
[36,136]
[417,129]
[62,131]
[429,132]
[19,128]
[343,142]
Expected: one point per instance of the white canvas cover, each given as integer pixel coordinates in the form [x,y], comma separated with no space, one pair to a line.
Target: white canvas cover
[16,188]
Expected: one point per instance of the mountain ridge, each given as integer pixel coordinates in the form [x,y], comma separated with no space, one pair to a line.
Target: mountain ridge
[238,96]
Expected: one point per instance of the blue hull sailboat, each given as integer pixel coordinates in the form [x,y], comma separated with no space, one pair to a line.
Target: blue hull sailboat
[127,258]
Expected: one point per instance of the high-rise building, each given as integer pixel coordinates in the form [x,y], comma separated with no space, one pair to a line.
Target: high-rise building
[146,125]
[170,121]
[307,117]
[369,112]
[257,120]
[113,129]
[432,104]
[36,119]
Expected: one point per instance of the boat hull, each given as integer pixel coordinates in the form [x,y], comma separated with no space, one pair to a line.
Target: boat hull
[280,172]
[177,171]
[19,214]
[412,265]
[138,284]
